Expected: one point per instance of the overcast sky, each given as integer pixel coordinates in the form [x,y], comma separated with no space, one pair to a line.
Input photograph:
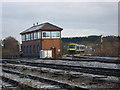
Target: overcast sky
[76,19]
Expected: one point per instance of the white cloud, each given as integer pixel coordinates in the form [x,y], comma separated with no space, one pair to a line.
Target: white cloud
[77,19]
[83,32]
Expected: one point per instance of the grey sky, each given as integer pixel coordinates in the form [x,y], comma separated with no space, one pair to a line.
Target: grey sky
[76,19]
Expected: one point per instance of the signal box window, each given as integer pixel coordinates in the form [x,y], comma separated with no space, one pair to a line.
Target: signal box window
[27,37]
[38,34]
[35,35]
[46,34]
[55,34]
[23,37]
[32,36]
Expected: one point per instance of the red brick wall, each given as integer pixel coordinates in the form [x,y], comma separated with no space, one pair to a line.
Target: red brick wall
[31,43]
[48,43]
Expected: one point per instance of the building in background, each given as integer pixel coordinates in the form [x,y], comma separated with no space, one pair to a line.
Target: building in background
[42,40]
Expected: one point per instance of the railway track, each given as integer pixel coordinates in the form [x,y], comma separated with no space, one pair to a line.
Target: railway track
[62,85]
[87,59]
[90,70]
[6,85]
[117,61]
[10,84]
[58,72]
[78,78]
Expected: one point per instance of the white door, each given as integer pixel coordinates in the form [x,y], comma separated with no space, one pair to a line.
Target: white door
[49,53]
[46,54]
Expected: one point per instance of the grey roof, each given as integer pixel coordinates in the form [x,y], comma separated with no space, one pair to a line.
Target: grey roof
[44,26]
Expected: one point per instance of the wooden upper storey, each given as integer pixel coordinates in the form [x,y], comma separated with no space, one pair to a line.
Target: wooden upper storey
[42,31]
[45,26]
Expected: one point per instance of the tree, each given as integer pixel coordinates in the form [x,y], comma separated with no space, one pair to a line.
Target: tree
[10,47]
[109,46]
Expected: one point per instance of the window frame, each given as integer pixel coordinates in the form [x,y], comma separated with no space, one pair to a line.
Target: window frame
[35,35]
[24,37]
[46,35]
[38,35]
[27,37]
[55,32]
[32,36]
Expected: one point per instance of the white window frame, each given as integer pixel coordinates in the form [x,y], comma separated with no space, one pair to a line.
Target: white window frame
[35,35]
[23,37]
[39,35]
[56,35]
[32,36]
[46,32]
[27,37]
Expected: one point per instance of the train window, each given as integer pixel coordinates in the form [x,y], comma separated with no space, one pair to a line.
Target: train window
[78,47]
[72,46]
[82,47]
[46,34]
[55,34]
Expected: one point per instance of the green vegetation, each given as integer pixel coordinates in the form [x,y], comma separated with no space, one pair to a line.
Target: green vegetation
[92,39]
[101,46]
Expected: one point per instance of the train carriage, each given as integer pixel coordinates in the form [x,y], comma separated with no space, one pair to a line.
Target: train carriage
[76,48]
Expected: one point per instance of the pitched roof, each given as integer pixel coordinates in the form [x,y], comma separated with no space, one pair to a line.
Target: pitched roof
[44,26]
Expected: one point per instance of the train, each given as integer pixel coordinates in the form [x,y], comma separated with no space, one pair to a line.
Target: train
[76,48]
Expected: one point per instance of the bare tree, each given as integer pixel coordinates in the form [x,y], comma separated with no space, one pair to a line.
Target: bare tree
[109,46]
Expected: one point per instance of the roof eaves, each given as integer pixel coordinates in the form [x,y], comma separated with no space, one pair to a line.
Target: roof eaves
[41,27]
